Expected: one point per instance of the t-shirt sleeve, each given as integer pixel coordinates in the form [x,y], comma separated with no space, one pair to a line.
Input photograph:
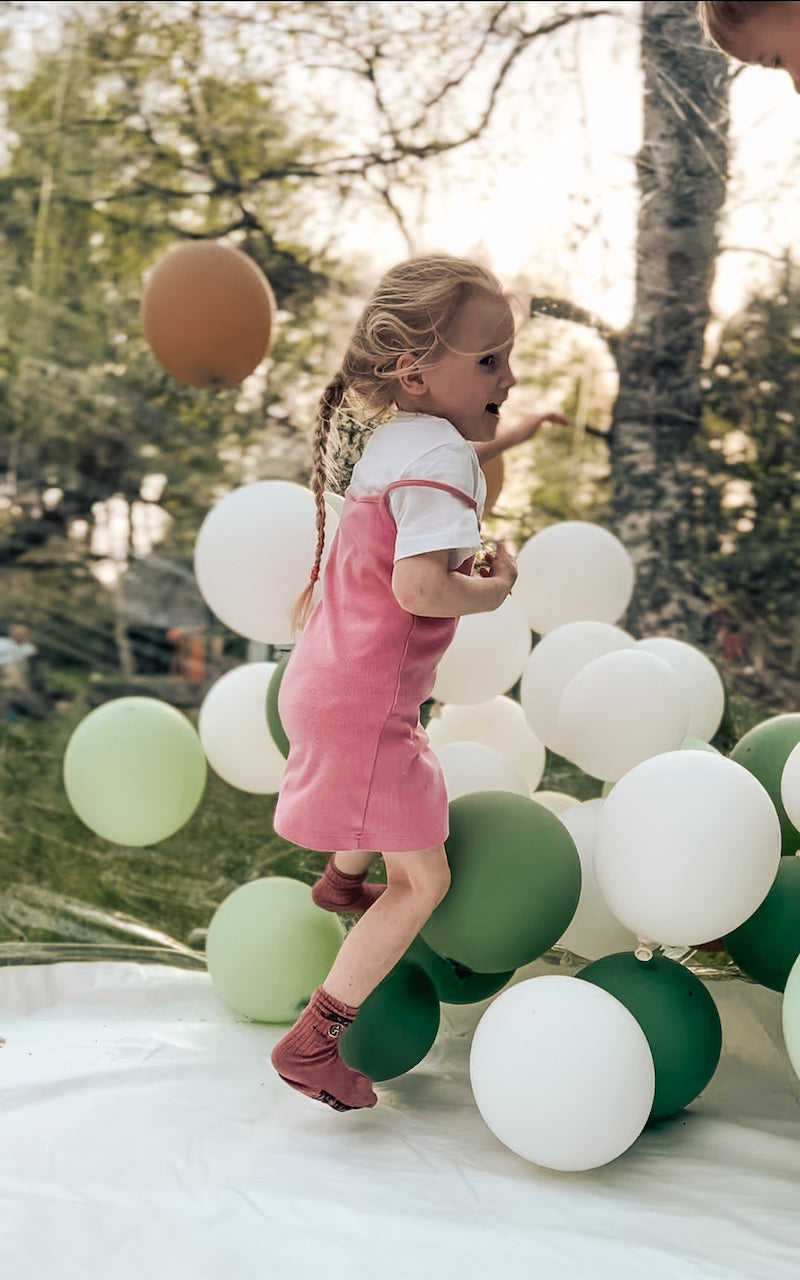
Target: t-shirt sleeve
[430,519]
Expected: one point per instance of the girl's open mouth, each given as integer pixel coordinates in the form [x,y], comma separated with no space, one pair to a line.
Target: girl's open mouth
[493,408]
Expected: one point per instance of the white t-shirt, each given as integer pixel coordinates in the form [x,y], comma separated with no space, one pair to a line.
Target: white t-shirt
[421,447]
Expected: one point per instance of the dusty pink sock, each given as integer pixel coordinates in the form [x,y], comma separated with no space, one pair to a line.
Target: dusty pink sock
[337,891]
[307,1058]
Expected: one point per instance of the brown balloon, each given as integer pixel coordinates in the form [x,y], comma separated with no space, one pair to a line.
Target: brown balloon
[494,473]
[208,314]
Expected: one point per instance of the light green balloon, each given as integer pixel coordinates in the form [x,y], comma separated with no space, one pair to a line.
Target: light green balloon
[269,947]
[134,770]
[791,1016]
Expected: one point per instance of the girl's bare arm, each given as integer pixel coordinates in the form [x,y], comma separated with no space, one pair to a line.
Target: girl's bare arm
[424,585]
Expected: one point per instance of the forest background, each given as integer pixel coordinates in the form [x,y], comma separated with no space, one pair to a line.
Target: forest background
[634,190]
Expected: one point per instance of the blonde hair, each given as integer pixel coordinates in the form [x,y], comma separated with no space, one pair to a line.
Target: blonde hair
[720,17]
[412,311]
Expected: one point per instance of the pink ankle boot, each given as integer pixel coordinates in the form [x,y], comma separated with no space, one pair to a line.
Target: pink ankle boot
[307,1058]
[337,891]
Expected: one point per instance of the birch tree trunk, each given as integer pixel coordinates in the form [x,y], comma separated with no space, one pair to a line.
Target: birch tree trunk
[682,170]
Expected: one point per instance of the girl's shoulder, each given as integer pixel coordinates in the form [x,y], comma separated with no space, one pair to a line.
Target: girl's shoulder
[415,445]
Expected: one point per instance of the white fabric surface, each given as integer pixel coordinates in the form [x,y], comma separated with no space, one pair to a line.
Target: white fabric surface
[143,1134]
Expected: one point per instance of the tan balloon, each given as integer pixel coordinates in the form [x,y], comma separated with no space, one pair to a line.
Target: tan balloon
[208,314]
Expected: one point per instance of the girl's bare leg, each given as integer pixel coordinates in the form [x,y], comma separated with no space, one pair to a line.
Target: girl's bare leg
[353,862]
[415,885]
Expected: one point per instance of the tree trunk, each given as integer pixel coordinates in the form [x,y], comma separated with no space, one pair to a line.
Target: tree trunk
[682,170]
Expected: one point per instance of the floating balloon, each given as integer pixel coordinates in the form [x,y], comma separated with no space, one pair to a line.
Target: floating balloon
[700,682]
[396,1025]
[619,710]
[687,846]
[208,314]
[562,1073]
[486,657]
[790,787]
[678,1017]
[454,983]
[269,947]
[557,802]
[234,731]
[253,557]
[573,572]
[499,723]
[134,770]
[790,1017]
[764,751]
[593,930]
[469,766]
[515,883]
[555,660]
[273,715]
[767,945]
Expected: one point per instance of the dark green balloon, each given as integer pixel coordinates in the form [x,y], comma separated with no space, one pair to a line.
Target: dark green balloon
[763,751]
[516,880]
[676,1014]
[768,943]
[454,983]
[273,718]
[396,1025]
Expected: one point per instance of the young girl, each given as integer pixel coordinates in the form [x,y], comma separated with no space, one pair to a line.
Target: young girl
[433,344]
[764,32]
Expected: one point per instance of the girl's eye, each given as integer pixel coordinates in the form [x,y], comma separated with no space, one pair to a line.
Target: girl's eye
[488,360]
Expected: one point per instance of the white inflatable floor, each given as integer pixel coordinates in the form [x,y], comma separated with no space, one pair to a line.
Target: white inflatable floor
[144,1136]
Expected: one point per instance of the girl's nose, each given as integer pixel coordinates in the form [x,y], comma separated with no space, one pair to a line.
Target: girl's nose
[508,379]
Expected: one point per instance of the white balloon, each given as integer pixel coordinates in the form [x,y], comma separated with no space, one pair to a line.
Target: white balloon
[486,657]
[499,723]
[562,1073]
[619,710]
[790,786]
[234,731]
[790,1016]
[570,572]
[687,846]
[593,931]
[253,557]
[557,802]
[469,766]
[554,661]
[699,679]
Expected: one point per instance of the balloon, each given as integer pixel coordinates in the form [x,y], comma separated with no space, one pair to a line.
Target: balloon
[486,657]
[335,501]
[273,716]
[269,947]
[619,710]
[494,474]
[208,314]
[700,682]
[790,1016]
[767,945]
[593,930]
[396,1025]
[551,666]
[515,883]
[468,767]
[697,744]
[234,731]
[556,801]
[687,846]
[765,751]
[454,983]
[562,1073]
[678,1016]
[573,572]
[134,770]
[499,723]
[790,787]
[253,557]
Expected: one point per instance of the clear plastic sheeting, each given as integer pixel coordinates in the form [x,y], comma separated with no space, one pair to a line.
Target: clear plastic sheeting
[143,1133]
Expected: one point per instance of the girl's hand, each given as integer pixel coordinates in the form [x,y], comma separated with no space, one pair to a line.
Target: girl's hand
[501,565]
[529,427]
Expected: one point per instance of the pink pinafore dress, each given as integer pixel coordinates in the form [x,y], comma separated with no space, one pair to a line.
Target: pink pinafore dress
[361,773]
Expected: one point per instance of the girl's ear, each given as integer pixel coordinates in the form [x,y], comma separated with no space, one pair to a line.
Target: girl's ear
[412,378]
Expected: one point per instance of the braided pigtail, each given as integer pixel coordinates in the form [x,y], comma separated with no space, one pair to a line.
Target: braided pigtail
[331,399]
